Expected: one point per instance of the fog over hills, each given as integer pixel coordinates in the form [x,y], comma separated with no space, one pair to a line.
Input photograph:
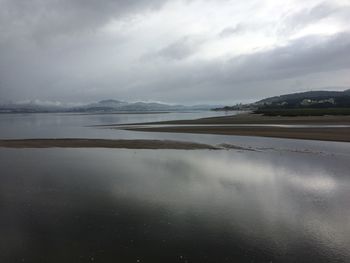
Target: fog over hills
[338,98]
[108,105]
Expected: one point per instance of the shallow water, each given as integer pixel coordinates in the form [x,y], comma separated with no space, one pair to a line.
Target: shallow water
[76,205]
[51,125]
[287,201]
[26,126]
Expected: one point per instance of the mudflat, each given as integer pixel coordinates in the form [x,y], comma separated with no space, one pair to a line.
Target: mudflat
[101,143]
[244,126]
[249,118]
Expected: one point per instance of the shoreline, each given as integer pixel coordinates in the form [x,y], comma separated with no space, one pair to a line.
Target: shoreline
[215,125]
[251,118]
[104,143]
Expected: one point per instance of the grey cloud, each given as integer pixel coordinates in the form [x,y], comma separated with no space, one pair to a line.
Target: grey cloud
[305,17]
[318,12]
[180,49]
[229,31]
[302,57]
[47,18]
[255,74]
[248,76]
[292,21]
[50,50]
[53,47]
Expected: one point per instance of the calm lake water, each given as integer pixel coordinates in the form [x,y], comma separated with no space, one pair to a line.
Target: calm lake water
[288,201]
[77,125]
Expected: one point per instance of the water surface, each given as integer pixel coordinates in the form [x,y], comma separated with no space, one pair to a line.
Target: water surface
[65,205]
[287,201]
[76,125]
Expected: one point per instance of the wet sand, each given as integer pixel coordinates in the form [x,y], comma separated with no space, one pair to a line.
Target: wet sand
[216,126]
[101,143]
[248,118]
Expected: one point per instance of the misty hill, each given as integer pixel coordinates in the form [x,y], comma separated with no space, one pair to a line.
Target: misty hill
[33,107]
[103,105]
[108,105]
[115,105]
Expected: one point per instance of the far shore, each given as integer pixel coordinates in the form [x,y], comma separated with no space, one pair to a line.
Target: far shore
[216,126]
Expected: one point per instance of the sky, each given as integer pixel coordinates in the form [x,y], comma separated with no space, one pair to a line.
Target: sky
[176,51]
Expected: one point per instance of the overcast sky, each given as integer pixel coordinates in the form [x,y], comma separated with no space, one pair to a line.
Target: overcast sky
[205,51]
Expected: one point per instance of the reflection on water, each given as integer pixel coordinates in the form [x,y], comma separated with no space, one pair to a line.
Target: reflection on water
[49,125]
[173,206]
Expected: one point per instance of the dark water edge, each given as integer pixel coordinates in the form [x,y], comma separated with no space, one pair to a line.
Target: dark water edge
[173,206]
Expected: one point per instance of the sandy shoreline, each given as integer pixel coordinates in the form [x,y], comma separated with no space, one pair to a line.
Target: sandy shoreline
[217,127]
[247,118]
[102,143]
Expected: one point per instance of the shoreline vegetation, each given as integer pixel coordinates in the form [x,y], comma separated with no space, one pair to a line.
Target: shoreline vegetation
[304,112]
[309,103]
[245,126]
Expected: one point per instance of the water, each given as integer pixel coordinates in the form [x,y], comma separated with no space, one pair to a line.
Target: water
[24,126]
[60,125]
[288,201]
[173,206]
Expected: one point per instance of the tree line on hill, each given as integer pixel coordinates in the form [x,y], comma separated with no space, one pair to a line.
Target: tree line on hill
[304,100]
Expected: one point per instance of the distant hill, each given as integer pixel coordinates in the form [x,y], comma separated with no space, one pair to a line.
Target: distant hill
[313,95]
[32,107]
[309,99]
[108,105]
